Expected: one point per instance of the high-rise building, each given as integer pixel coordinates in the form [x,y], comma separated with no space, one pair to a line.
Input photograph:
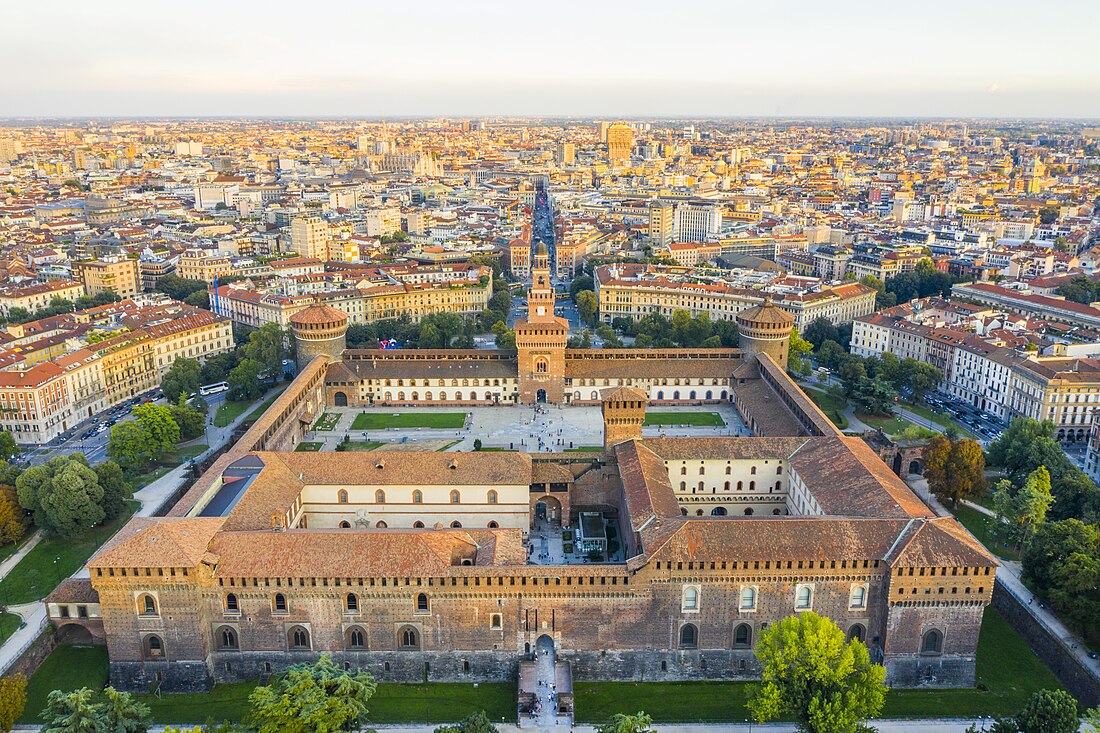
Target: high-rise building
[661,221]
[9,149]
[309,236]
[697,222]
[601,130]
[620,141]
[566,154]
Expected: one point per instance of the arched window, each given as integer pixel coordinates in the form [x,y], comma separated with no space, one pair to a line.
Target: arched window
[742,635]
[231,604]
[342,497]
[492,497]
[700,486]
[345,524]
[280,603]
[456,524]
[778,470]
[683,486]
[407,638]
[857,632]
[804,597]
[428,396]
[351,602]
[456,498]
[493,525]
[726,486]
[227,638]
[729,470]
[748,598]
[752,470]
[691,599]
[660,395]
[418,524]
[422,603]
[380,524]
[458,396]
[778,485]
[689,636]
[148,605]
[858,597]
[748,511]
[154,647]
[356,638]
[740,485]
[380,497]
[400,396]
[752,486]
[931,642]
[418,497]
[298,638]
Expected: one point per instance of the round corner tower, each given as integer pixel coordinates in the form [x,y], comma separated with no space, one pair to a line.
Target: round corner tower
[765,329]
[319,330]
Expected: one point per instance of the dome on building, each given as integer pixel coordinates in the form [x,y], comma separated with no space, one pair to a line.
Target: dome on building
[541,249]
[318,314]
[766,314]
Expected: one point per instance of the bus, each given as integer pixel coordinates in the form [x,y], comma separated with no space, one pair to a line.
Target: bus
[215,388]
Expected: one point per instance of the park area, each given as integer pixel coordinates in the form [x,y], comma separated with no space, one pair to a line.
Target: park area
[388,420]
[1007,674]
[700,419]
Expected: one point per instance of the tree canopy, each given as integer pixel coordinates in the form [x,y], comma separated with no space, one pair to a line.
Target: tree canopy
[312,698]
[955,469]
[812,675]
[184,377]
[63,494]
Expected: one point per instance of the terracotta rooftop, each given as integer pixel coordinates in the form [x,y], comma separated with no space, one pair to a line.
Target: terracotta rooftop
[319,313]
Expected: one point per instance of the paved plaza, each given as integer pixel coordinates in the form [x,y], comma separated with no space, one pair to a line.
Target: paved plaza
[531,428]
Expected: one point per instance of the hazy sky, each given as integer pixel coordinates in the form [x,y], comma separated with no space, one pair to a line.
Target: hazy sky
[558,57]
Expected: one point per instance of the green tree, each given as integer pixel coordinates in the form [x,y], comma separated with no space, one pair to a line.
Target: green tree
[1049,214]
[13,699]
[184,377]
[1075,495]
[244,380]
[268,345]
[820,330]
[830,354]
[179,288]
[116,490]
[1049,711]
[874,396]
[798,354]
[73,712]
[1051,547]
[474,723]
[919,378]
[63,494]
[1020,510]
[584,282]
[191,421]
[199,299]
[623,723]
[121,713]
[1076,591]
[217,367]
[955,469]
[587,305]
[161,431]
[1079,290]
[128,445]
[727,331]
[813,676]
[852,371]
[312,698]
[8,448]
[1026,445]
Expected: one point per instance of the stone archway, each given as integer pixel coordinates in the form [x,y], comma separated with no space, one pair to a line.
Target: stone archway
[540,396]
[549,509]
[916,467]
[340,399]
[75,635]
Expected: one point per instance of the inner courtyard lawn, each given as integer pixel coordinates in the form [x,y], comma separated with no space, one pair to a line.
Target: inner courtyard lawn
[706,419]
[383,420]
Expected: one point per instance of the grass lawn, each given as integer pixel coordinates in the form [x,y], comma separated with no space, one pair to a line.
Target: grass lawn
[889,424]
[361,445]
[37,573]
[9,622]
[383,420]
[262,408]
[450,445]
[981,526]
[1006,667]
[939,418]
[10,549]
[585,449]
[67,668]
[709,419]
[832,405]
[308,447]
[327,421]
[230,411]
[181,455]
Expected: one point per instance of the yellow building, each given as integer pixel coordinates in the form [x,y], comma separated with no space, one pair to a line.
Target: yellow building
[197,264]
[37,296]
[620,142]
[119,275]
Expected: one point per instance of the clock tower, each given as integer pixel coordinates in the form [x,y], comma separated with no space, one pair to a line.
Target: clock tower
[540,339]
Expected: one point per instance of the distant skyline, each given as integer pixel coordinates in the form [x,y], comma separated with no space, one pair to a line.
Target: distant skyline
[566,58]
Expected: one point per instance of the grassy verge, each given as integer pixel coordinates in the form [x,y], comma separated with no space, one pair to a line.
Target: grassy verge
[832,405]
[383,420]
[54,559]
[941,419]
[361,445]
[9,622]
[308,447]
[889,424]
[981,526]
[67,668]
[262,408]
[585,449]
[707,419]
[450,445]
[230,411]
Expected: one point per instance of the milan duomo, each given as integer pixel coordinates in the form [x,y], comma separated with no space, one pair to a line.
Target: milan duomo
[418,565]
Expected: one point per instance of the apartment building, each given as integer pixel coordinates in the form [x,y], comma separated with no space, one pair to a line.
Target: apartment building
[36,296]
[199,264]
[697,222]
[309,237]
[120,275]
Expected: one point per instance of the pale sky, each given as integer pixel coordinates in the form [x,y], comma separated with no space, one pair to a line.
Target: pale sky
[678,58]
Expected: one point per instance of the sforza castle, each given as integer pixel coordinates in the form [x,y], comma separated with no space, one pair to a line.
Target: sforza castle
[425,565]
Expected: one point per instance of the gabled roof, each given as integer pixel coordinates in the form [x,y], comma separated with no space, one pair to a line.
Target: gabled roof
[158,542]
